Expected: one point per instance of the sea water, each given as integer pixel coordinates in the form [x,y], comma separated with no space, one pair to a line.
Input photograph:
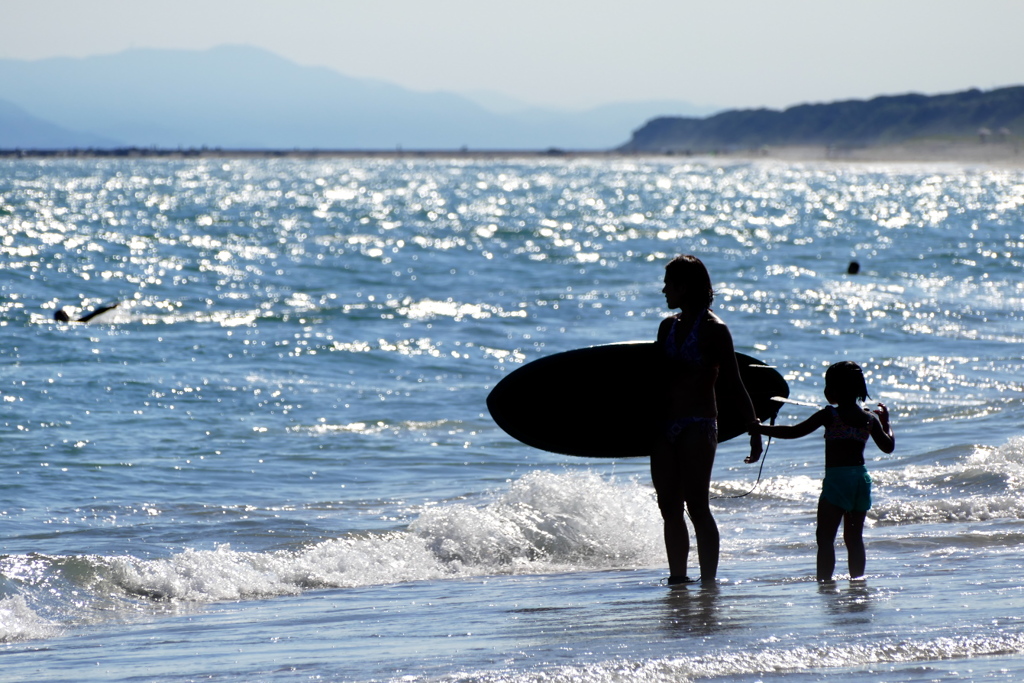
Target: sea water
[273,460]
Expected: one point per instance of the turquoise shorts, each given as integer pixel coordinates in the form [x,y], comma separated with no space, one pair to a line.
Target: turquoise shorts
[847,487]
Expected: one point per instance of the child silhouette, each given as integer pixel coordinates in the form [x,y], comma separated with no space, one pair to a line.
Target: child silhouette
[846,489]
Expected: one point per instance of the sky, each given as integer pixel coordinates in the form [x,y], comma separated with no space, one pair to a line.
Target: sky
[574,54]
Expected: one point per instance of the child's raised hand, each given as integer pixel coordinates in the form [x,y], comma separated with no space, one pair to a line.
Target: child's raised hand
[883,415]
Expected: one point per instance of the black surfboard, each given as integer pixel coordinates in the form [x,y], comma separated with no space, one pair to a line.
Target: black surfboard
[607,402]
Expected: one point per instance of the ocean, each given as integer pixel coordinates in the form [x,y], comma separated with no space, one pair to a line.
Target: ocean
[273,460]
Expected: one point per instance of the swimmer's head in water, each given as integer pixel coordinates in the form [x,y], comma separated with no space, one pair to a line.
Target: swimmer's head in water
[62,316]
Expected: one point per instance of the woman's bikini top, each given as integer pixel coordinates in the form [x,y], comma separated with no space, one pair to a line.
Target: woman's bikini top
[688,352]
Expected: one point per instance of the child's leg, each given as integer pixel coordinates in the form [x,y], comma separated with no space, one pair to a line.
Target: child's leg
[829,517]
[853,536]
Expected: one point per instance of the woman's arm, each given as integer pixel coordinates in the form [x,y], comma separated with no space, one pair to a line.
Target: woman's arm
[732,383]
[729,370]
[663,330]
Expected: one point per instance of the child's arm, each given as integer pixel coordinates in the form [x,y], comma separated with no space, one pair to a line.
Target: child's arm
[795,431]
[881,430]
[787,431]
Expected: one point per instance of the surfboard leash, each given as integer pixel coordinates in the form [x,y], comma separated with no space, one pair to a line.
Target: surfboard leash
[764,456]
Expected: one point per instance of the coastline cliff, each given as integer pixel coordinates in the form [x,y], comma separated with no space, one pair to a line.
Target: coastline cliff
[973,116]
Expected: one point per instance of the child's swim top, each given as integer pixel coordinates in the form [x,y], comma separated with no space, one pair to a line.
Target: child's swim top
[838,430]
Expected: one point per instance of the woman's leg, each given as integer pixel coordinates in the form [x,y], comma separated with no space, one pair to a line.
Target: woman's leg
[853,536]
[666,474]
[681,473]
[829,517]
[701,443]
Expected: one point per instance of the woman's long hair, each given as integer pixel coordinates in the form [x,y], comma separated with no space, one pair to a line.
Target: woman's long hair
[689,271]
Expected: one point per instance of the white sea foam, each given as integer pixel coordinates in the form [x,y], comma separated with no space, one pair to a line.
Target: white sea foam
[19,622]
[544,522]
[973,509]
[783,487]
[769,660]
[982,486]
[548,520]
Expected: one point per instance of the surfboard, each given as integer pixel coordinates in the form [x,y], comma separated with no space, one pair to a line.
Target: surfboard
[606,401]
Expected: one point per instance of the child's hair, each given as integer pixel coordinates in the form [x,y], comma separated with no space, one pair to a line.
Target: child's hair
[846,380]
[690,271]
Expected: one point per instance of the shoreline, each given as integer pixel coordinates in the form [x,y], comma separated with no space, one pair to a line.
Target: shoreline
[1001,153]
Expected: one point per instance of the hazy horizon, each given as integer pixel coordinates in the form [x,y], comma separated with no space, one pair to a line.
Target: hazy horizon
[573,55]
[490,99]
[242,97]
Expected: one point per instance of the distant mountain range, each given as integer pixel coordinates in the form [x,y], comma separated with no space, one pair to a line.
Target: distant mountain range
[973,114]
[237,97]
[18,128]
